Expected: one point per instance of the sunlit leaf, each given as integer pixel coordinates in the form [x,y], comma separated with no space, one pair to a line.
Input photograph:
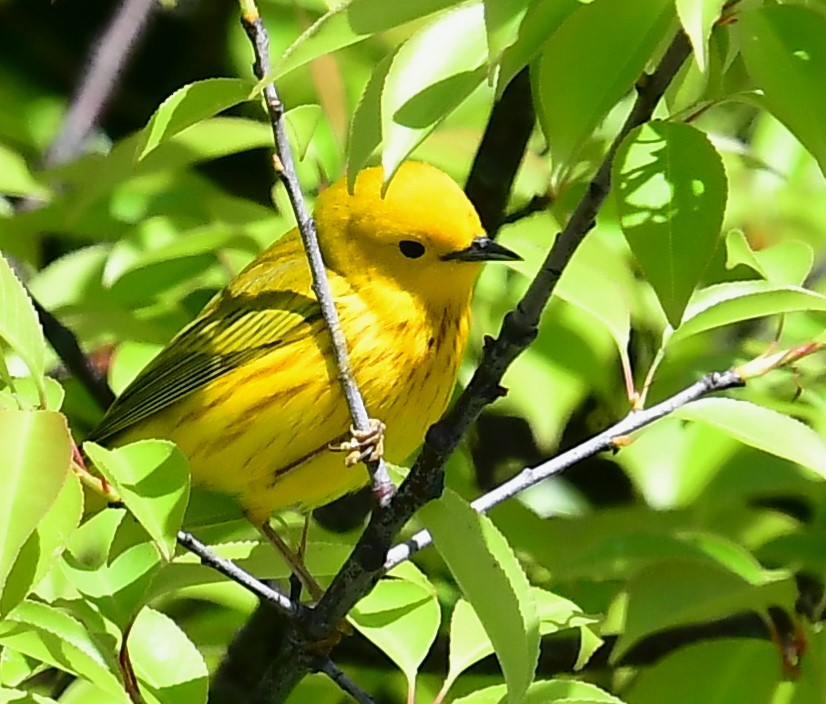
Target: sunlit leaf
[44,545]
[670,193]
[351,22]
[402,618]
[194,102]
[492,580]
[152,479]
[763,428]
[19,326]
[53,636]
[36,449]
[785,54]
[422,86]
[15,177]
[727,303]
[697,18]
[577,88]
[168,666]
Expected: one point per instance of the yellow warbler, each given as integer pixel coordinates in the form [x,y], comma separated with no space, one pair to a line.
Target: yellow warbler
[249,389]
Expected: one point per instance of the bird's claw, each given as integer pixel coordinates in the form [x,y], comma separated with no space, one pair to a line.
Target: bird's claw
[363,445]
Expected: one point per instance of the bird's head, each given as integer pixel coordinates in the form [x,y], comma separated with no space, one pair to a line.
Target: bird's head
[423,232]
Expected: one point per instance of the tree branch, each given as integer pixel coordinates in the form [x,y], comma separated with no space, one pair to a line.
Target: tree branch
[285,172]
[347,685]
[365,565]
[229,569]
[109,57]
[606,440]
[500,152]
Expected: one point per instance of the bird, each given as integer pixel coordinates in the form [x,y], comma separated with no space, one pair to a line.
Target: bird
[249,390]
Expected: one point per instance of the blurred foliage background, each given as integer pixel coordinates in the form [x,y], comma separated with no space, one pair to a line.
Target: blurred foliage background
[699,546]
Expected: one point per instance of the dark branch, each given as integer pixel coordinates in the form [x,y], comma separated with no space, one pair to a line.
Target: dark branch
[65,344]
[606,440]
[347,685]
[500,152]
[229,569]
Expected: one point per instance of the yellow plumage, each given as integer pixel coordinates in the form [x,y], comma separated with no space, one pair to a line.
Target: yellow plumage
[249,390]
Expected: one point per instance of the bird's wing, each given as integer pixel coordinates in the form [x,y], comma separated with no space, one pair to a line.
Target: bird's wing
[231,330]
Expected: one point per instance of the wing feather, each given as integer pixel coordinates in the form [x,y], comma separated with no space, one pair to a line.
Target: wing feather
[232,330]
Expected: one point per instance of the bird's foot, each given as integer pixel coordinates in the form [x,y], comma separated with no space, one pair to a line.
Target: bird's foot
[363,445]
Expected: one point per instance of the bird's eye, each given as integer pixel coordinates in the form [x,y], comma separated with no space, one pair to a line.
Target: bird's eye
[411,249]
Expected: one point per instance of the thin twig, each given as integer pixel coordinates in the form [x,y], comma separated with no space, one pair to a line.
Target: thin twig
[606,440]
[535,205]
[365,565]
[347,685]
[285,171]
[229,569]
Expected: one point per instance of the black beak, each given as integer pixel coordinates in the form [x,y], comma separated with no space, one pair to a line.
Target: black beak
[484,249]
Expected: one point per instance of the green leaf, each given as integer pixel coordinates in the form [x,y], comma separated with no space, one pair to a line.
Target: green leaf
[18,696]
[538,23]
[785,54]
[679,592]
[16,668]
[169,668]
[402,618]
[95,176]
[114,577]
[301,123]
[697,18]
[502,22]
[44,545]
[786,262]
[422,85]
[544,692]
[556,613]
[193,103]
[15,177]
[54,637]
[576,88]
[767,430]
[348,23]
[734,670]
[26,393]
[671,196]
[724,304]
[492,580]
[152,479]
[469,643]
[365,127]
[20,328]
[593,282]
[37,450]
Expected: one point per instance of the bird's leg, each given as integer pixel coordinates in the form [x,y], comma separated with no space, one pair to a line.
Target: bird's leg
[302,546]
[363,444]
[295,562]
